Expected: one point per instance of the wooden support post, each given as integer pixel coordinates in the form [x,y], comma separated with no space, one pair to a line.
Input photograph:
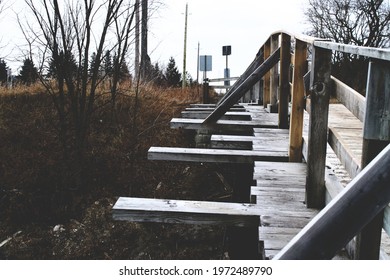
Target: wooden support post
[206,92]
[376,136]
[284,81]
[243,242]
[274,77]
[318,127]
[298,102]
[267,77]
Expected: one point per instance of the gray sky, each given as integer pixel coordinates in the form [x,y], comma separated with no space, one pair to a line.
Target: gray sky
[244,24]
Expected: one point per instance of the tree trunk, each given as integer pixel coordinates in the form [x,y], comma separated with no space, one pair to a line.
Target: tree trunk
[145,59]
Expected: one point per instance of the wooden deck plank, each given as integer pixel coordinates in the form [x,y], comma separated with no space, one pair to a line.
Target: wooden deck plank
[280,195]
[243,116]
[214,155]
[184,211]
[228,125]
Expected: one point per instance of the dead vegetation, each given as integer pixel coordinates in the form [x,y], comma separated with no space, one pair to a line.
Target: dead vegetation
[44,217]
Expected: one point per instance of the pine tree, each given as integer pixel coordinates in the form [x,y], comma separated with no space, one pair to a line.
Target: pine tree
[158,75]
[3,71]
[29,73]
[107,64]
[172,75]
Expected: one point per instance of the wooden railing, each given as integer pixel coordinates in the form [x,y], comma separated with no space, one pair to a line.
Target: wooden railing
[272,67]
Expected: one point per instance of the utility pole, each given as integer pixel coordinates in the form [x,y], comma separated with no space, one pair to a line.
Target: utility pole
[197,66]
[185,49]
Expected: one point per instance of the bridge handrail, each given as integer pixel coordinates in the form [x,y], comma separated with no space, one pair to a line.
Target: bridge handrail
[276,91]
[345,215]
[370,52]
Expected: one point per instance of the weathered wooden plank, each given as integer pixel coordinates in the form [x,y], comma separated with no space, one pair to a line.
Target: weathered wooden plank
[376,135]
[274,78]
[242,116]
[318,127]
[235,138]
[345,215]
[209,110]
[228,125]
[386,220]
[350,98]
[270,131]
[298,102]
[214,155]
[357,50]
[267,77]
[284,80]
[212,105]
[377,120]
[235,142]
[188,212]
[343,152]
[298,169]
[274,220]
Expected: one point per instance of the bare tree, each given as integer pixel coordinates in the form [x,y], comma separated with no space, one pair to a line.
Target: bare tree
[69,32]
[137,36]
[124,25]
[358,22]
[145,59]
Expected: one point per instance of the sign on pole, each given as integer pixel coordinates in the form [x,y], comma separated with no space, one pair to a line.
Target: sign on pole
[205,63]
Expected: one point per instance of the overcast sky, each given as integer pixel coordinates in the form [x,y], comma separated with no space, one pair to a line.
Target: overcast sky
[244,24]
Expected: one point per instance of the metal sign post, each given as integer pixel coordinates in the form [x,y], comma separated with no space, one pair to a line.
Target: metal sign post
[205,64]
[226,51]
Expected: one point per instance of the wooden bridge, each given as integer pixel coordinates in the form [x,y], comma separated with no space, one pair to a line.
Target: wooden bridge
[313,155]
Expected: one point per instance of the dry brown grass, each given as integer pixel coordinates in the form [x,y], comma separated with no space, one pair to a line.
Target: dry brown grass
[35,193]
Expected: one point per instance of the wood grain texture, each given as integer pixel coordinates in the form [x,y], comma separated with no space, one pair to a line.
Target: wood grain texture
[188,212]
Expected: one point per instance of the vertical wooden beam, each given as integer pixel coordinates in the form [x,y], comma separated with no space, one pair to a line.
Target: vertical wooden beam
[267,77]
[243,242]
[318,127]
[376,136]
[298,102]
[284,80]
[274,77]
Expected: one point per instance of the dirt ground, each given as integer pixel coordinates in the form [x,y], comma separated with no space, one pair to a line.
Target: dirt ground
[43,217]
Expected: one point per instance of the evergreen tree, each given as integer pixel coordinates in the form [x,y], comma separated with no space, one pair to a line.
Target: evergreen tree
[107,64]
[158,75]
[29,73]
[3,71]
[172,75]
[63,64]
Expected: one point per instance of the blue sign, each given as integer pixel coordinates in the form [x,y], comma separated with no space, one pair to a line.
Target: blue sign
[205,63]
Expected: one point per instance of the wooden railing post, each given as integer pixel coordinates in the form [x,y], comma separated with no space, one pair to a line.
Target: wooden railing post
[298,102]
[274,77]
[318,127]
[376,136]
[267,76]
[284,81]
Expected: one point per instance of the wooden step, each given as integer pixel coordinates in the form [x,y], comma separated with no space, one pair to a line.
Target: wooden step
[238,116]
[228,125]
[235,142]
[134,209]
[215,155]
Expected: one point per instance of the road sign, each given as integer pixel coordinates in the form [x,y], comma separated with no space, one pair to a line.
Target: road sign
[205,63]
